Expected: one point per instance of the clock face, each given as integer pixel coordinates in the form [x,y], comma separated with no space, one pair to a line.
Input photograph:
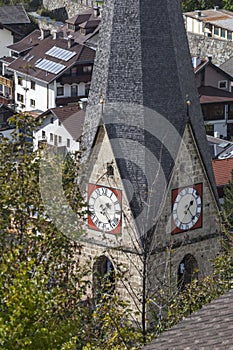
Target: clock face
[105,209]
[187,208]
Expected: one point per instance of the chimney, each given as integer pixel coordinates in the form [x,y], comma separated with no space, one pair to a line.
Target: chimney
[216,8]
[44,33]
[55,34]
[83,103]
[198,13]
[70,41]
[210,58]
[96,11]
[196,61]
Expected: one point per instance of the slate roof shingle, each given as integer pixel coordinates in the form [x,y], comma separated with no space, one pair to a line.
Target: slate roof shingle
[210,328]
[13,15]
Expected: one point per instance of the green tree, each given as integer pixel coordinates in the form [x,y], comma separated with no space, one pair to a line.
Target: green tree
[191,5]
[228,203]
[45,298]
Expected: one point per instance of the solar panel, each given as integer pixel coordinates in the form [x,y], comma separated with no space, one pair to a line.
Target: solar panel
[62,54]
[50,66]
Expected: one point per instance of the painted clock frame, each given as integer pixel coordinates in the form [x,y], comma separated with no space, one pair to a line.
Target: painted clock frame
[94,223]
[198,224]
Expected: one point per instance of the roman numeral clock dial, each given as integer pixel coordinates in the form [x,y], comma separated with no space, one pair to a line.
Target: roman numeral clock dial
[187,208]
[104,209]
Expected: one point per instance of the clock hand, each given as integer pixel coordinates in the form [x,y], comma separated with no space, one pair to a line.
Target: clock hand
[187,207]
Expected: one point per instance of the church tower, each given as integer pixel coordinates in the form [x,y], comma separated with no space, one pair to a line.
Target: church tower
[149,181]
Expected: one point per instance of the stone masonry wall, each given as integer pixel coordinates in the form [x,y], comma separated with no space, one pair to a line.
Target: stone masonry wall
[220,50]
[71,7]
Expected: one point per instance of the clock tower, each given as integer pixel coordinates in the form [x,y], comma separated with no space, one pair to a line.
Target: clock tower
[153,204]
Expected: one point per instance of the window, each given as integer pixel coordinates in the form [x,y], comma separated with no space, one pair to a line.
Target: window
[71,26]
[43,134]
[51,137]
[87,89]
[83,31]
[33,85]
[51,120]
[55,140]
[229,36]
[68,143]
[20,98]
[60,91]
[187,271]
[87,69]
[222,84]
[20,81]
[59,139]
[217,31]
[32,103]
[59,123]
[209,129]
[103,277]
[223,33]
[74,90]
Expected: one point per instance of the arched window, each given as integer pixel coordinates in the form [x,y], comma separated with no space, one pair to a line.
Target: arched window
[187,271]
[103,277]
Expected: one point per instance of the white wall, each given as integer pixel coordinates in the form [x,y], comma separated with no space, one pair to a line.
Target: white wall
[43,94]
[6,38]
[55,129]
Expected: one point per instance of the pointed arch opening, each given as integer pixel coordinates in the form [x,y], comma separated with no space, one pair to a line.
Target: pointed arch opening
[103,277]
[187,271]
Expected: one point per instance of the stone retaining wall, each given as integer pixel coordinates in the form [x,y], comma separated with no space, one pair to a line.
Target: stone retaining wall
[71,7]
[220,50]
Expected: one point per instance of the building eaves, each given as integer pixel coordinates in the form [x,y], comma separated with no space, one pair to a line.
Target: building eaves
[216,68]
[27,43]
[210,94]
[28,65]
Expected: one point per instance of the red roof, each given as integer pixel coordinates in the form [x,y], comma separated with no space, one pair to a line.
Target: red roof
[222,170]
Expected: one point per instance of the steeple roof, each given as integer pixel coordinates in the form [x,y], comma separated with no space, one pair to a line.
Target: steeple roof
[144,75]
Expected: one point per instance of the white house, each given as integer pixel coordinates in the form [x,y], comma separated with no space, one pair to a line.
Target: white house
[51,66]
[14,25]
[61,127]
[50,71]
[216,23]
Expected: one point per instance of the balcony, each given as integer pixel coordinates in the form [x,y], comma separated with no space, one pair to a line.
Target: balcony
[6,81]
[81,78]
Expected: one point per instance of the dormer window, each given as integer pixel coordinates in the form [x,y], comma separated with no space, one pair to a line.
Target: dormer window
[71,26]
[83,31]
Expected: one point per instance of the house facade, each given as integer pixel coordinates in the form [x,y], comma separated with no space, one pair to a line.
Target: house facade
[216,97]
[49,68]
[60,127]
[216,23]
[15,24]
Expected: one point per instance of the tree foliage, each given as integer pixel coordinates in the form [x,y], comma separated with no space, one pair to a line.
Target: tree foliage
[45,293]
[192,5]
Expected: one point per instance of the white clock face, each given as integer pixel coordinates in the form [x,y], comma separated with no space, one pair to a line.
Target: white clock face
[187,208]
[105,209]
